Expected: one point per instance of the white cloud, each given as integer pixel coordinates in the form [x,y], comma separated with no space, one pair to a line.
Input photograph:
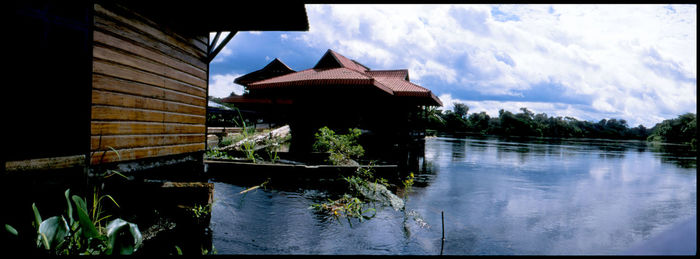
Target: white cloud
[223,85]
[225,52]
[635,62]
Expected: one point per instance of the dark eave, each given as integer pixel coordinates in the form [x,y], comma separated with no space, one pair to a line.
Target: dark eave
[219,15]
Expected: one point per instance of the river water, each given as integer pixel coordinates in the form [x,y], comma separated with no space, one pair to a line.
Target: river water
[498,196]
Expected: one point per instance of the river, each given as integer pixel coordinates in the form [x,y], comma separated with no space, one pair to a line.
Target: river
[498,196]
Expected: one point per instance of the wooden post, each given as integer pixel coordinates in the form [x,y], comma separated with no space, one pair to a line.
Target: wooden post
[442,246]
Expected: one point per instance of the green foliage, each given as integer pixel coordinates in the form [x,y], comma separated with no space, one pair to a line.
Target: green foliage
[408,182]
[526,123]
[342,148]
[350,206]
[216,153]
[200,211]
[11,230]
[249,145]
[272,146]
[124,237]
[347,206]
[679,130]
[461,110]
[85,235]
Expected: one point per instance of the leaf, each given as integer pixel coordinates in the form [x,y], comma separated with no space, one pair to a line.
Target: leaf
[53,231]
[70,208]
[87,227]
[110,197]
[10,229]
[37,216]
[115,151]
[124,237]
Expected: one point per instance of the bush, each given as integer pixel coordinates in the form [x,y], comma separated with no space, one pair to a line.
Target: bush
[342,148]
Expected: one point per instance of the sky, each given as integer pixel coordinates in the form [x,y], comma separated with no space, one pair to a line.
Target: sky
[590,62]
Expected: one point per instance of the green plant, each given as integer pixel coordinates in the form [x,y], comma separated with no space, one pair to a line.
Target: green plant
[216,153]
[408,184]
[347,206]
[342,148]
[200,211]
[272,146]
[85,235]
[249,145]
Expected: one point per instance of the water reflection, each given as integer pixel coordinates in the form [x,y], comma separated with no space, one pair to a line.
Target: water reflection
[499,196]
[566,197]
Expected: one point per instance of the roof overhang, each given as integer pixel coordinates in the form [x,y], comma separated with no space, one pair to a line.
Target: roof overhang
[206,16]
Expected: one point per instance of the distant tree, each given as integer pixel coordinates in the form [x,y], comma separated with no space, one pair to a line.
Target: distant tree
[680,130]
[461,110]
[479,122]
[433,119]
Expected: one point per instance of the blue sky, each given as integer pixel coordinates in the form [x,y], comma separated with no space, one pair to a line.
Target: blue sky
[591,62]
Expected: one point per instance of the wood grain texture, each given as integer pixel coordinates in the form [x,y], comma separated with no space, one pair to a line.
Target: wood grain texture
[45,163]
[129,127]
[127,45]
[138,62]
[113,113]
[107,68]
[112,27]
[134,101]
[112,84]
[132,141]
[141,24]
[128,154]
[149,88]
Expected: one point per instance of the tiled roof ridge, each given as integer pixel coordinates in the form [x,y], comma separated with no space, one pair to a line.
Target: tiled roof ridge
[271,80]
[390,73]
[278,61]
[348,63]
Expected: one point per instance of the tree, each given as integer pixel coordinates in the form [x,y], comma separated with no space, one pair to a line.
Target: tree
[461,110]
[680,130]
[479,122]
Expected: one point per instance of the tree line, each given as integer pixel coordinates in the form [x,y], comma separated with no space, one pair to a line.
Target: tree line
[526,123]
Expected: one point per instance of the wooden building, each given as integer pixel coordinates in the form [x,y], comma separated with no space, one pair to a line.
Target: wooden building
[118,82]
[340,93]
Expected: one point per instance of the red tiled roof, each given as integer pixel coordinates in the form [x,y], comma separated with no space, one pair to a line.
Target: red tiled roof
[335,69]
[273,69]
[333,60]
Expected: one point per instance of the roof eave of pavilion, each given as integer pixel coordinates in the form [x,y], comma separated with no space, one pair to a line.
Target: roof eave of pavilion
[264,73]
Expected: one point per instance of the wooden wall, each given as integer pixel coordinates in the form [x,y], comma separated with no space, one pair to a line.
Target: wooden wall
[149,88]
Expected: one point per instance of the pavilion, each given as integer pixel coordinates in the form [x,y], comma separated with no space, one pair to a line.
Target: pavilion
[339,93]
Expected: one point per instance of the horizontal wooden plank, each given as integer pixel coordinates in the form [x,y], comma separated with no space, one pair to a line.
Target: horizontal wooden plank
[115,28]
[105,128]
[156,33]
[127,73]
[131,47]
[125,100]
[109,156]
[141,63]
[106,113]
[45,163]
[151,28]
[113,84]
[133,141]
[194,40]
[204,39]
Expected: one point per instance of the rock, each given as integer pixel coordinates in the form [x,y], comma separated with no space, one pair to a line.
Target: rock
[379,193]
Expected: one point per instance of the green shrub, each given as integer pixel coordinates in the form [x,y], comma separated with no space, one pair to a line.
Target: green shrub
[342,148]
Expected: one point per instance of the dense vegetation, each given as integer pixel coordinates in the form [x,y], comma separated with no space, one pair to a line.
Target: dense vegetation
[526,123]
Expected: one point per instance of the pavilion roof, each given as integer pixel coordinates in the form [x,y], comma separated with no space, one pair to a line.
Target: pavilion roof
[334,69]
[275,68]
